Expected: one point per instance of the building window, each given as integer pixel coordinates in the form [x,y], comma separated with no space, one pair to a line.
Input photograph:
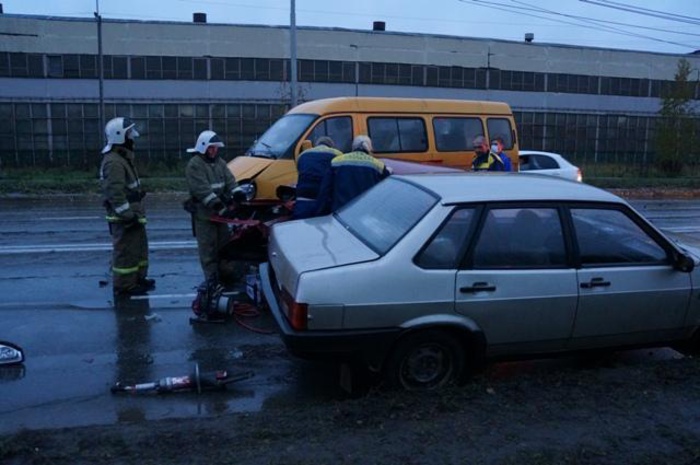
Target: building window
[417,75]
[216,67]
[262,69]
[138,68]
[88,66]
[55,66]
[200,69]
[431,76]
[233,69]
[184,68]
[169,68]
[365,73]
[247,69]
[154,68]
[36,65]
[18,64]
[4,64]
[71,66]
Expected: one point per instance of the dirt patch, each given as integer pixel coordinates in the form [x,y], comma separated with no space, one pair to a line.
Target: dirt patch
[610,412]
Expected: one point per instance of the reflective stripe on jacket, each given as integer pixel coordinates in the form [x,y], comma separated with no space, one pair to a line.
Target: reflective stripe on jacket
[312,165]
[350,175]
[208,181]
[121,187]
[489,162]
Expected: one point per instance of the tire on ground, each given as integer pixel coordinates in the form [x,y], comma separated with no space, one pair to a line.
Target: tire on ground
[426,359]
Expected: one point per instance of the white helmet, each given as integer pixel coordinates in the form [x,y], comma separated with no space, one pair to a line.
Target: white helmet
[117,131]
[205,140]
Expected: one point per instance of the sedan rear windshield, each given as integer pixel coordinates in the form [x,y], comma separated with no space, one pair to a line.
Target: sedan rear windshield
[385,213]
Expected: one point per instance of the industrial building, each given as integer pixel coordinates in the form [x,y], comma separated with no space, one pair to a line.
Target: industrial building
[594,105]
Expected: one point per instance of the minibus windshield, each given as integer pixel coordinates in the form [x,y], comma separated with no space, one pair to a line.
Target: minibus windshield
[277,142]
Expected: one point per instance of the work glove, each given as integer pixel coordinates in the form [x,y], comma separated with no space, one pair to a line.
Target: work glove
[217,205]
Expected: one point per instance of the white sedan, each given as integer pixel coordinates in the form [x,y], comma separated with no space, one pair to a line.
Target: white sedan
[549,163]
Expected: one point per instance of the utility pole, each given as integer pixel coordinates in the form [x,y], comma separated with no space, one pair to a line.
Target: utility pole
[357,68]
[293,52]
[100,65]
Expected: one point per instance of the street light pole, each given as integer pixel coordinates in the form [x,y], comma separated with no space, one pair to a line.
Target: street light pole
[293,52]
[100,60]
[357,69]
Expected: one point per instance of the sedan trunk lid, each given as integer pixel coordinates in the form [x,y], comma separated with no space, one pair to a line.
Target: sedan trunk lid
[295,248]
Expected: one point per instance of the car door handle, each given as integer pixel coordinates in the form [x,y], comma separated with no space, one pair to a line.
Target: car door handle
[595,282]
[478,287]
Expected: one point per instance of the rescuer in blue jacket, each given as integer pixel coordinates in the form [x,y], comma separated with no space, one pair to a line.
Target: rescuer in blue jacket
[312,165]
[350,175]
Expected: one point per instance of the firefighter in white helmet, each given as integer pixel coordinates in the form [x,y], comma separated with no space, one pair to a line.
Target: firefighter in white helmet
[211,186]
[123,199]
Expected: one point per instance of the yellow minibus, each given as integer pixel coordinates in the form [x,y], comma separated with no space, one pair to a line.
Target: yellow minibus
[439,132]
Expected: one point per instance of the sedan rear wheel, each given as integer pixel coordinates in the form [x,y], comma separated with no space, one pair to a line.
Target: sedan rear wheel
[426,360]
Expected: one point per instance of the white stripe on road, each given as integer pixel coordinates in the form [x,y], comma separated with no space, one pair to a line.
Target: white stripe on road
[71,218]
[27,249]
[72,304]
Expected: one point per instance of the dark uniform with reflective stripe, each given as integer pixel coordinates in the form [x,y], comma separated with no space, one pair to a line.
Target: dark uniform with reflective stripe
[489,162]
[209,182]
[123,194]
[349,176]
[312,165]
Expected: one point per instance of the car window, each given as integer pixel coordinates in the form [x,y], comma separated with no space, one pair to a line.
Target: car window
[384,214]
[520,238]
[543,162]
[338,128]
[443,251]
[397,134]
[500,127]
[610,237]
[456,134]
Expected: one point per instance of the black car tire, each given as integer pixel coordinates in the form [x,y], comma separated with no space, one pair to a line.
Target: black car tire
[426,359]
[691,346]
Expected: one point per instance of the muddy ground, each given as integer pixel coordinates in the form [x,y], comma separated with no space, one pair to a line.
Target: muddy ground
[573,411]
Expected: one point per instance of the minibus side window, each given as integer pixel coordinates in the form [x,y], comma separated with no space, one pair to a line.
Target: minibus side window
[392,135]
[456,134]
[338,128]
[501,127]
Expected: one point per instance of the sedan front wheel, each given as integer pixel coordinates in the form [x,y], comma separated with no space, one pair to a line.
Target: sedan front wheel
[426,360]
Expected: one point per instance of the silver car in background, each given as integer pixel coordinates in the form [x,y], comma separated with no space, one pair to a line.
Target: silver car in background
[549,163]
[424,276]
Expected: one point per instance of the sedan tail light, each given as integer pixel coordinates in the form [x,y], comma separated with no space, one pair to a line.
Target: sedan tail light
[297,313]
[579,175]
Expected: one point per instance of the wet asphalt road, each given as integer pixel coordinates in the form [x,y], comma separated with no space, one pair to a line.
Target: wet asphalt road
[54,258]
[55,261]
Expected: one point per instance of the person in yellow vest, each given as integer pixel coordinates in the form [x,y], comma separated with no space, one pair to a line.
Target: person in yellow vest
[126,216]
[312,165]
[486,159]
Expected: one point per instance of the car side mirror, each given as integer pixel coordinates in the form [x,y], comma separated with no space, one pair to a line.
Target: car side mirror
[684,263]
[10,354]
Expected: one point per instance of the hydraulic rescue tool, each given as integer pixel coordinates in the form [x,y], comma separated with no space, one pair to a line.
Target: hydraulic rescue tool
[210,381]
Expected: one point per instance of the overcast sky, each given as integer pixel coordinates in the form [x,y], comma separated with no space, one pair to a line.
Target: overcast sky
[671,26]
